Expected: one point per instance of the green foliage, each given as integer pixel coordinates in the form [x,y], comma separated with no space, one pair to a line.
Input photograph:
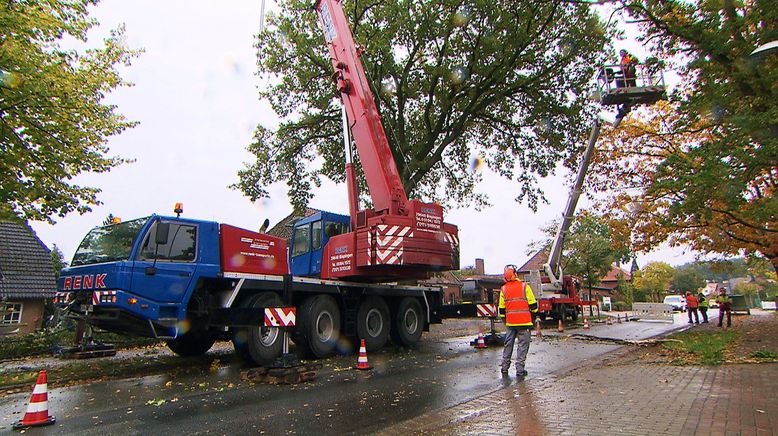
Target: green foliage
[653,279]
[702,347]
[626,290]
[621,306]
[709,165]
[54,123]
[764,354]
[506,82]
[57,260]
[686,280]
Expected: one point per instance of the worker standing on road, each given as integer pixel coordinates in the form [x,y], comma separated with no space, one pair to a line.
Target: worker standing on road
[517,306]
[691,307]
[725,305]
[703,307]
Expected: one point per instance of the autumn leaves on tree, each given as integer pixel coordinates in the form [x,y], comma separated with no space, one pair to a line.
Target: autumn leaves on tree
[701,169]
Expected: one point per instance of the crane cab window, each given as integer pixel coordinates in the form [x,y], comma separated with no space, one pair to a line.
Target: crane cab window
[180,246]
[301,240]
[315,235]
[334,229]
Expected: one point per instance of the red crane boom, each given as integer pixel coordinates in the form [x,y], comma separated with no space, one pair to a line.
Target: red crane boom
[399,238]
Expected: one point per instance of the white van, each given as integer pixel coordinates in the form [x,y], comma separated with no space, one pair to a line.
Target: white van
[678,302]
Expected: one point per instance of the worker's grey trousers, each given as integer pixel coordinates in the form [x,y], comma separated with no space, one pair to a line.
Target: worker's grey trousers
[523,335]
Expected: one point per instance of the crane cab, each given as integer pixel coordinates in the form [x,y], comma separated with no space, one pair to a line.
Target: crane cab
[309,236]
[646,87]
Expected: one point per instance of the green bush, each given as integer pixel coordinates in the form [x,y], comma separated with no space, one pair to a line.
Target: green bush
[620,306]
[764,354]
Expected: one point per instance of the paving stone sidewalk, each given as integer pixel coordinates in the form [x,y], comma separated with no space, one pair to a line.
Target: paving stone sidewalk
[622,396]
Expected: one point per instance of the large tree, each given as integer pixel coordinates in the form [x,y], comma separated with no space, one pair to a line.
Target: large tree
[54,122]
[654,279]
[504,81]
[687,279]
[702,170]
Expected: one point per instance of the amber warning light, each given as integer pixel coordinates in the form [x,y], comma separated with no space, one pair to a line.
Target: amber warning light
[178,209]
[116,220]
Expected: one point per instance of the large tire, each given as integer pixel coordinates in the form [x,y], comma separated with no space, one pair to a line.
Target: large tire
[408,322]
[197,340]
[318,326]
[373,322]
[192,343]
[259,345]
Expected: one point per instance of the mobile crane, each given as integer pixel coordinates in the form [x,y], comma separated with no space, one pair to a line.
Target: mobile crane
[560,294]
[191,282]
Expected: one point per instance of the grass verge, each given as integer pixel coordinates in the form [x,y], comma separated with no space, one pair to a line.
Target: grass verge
[87,370]
[701,347]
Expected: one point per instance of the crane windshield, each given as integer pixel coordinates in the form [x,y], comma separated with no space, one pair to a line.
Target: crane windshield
[108,243]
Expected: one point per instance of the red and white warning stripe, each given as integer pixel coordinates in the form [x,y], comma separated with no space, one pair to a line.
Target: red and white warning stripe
[280,316]
[452,239]
[487,310]
[102,297]
[389,250]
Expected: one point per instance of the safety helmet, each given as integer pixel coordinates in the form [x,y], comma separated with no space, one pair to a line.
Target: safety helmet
[509,273]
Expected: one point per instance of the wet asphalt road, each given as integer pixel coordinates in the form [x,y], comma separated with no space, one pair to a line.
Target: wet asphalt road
[403,384]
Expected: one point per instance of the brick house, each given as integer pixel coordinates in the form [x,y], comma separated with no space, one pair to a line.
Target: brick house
[26,279]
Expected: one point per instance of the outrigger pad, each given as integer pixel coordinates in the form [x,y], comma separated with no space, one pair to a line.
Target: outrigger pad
[88,351]
[284,376]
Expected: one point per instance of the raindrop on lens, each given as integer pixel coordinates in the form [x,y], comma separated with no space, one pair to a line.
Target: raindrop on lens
[9,79]
[462,16]
[458,75]
[476,164]
[388,85]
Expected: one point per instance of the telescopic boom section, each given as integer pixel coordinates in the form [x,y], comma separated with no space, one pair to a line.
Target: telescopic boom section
[383,178]
[400,238]
[553,267]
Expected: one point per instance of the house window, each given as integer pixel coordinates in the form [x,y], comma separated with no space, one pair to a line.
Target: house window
[11,313]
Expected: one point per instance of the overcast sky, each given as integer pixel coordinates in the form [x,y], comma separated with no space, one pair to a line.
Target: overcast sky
[195,96]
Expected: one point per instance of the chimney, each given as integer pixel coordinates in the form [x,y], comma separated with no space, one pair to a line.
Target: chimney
[479,267]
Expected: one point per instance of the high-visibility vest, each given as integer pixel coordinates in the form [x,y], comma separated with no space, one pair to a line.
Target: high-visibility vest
[517,311]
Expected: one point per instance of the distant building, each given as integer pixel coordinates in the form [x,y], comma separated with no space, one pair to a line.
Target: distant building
[26,279]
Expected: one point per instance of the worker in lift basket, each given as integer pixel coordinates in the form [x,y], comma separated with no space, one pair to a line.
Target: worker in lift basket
[517,306]
[628,63]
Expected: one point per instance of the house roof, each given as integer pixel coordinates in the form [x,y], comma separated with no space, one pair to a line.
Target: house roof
[283,229]
[613,274]
[442,278]
[535,263]
[26,270]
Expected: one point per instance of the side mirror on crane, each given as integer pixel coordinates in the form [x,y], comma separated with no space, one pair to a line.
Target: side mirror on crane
[162,233]
[264,226]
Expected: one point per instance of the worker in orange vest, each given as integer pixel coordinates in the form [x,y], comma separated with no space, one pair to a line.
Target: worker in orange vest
[691,306]
[517,306]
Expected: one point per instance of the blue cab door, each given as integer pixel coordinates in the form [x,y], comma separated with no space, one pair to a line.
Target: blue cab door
[164,272]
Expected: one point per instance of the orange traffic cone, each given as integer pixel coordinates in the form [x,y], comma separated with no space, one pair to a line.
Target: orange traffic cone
[538,333]
[362,361]
[608,320]
[38,408]
[586,323]
[480,342]
[561,327]
[618,319]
